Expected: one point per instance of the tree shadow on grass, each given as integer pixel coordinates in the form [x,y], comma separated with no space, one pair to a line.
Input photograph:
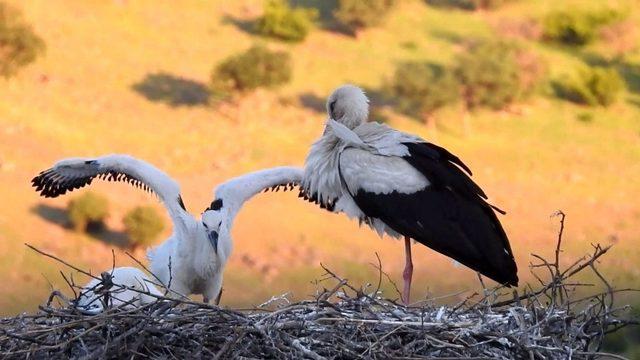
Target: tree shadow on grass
[325,9]
[111,237]
[172,90]
[326,20]
[58,216]
[312,102]
[52,214]
[630,72]
[245,25]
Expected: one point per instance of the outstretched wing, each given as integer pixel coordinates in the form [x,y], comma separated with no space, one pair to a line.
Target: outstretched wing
[233,193]
[74,173]
[427,196]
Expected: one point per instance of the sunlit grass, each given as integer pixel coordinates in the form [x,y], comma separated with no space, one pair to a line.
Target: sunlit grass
[79,100]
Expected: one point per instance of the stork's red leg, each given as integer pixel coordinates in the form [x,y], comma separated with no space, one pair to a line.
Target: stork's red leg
[219,297]
[408,271]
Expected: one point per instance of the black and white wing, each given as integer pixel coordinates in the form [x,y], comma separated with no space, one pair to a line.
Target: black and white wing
[235,192]
[74,173]
[321,182]
[426,195]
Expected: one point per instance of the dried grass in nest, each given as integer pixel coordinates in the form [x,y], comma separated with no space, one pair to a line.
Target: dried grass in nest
[342,322]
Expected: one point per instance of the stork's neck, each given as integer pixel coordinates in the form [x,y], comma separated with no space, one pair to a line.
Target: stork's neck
[352,121]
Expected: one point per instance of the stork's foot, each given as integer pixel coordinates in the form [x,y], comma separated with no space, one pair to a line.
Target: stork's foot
[407,274]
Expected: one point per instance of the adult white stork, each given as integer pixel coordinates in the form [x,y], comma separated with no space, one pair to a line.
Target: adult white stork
[192,260]
[402,185]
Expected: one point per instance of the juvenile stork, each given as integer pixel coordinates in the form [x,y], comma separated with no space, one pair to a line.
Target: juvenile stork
[125,287]
[192,260]
[402,185]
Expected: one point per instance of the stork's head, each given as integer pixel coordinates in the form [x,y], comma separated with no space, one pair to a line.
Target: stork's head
[348,105]
[212,219]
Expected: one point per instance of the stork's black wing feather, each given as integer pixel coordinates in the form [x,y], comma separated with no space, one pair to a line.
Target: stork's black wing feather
[450,216]
[442,168]
[328,205]
[52,183]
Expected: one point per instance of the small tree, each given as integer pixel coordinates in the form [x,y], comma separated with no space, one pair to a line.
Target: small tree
[592,86]
[490,75]
[286,23]
[257,67]
[143,224]
[87,210]
[575,27]
[357,14]
[19,45]
[421,89]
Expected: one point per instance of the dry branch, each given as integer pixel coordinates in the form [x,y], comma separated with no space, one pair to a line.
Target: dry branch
[341,322]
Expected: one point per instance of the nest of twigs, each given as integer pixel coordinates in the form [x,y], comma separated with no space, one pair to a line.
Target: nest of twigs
[341,321]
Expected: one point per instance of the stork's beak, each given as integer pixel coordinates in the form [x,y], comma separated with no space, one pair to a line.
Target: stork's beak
[326,127]
[213,239]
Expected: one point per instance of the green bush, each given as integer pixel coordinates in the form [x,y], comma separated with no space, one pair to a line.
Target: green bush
[19,45]
[143,224]
[87,210]
[490,75]
[591,86]
[286,23]
[421,89]
[257,67]
[359,14]
[575,27]
[469,4]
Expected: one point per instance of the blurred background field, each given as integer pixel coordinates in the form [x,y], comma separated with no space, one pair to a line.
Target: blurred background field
[136,77]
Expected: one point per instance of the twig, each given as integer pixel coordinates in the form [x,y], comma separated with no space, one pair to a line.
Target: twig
[541,322]
[61,261]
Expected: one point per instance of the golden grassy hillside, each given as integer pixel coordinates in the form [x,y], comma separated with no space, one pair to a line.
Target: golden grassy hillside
[83,99]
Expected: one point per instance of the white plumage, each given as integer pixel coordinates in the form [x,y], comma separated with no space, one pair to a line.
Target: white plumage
[362,169]
[129,288]
[232,194]
[192,259]
[401,185]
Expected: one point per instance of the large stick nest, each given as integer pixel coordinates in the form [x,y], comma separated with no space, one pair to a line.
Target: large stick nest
[341,321]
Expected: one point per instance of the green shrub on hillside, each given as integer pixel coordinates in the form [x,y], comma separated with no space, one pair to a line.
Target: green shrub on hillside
[421,89]
[87,210]
[357,14]
[257,67]
[19,44]
[286,23]
[592,86]
[469,4]
[143,224]
[575,27]
[490,75]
